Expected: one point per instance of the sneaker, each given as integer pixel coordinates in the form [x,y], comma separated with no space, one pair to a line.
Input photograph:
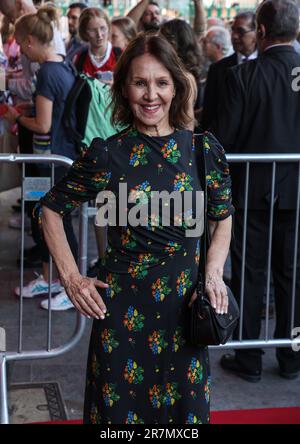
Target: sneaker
[37,287]
[60,302]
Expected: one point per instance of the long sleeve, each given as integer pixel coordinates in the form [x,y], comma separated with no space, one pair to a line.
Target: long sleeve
[88,176]
[219,199]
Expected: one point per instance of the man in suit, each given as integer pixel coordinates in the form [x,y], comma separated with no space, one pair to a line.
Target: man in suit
[216,44]
[260,113]
[243,39]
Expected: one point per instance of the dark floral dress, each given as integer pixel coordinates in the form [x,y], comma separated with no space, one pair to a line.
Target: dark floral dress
[141,369]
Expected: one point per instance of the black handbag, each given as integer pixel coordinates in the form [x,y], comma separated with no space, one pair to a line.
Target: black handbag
[207,327]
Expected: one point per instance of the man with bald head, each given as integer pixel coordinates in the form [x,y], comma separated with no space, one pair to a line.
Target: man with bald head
[243,40]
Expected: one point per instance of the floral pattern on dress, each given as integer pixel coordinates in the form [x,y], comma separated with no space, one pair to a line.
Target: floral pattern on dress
[178,339]
[133,374]
[183,283]
[108,340]
[140,270]
[172,247]
[171,394]
[195,372]
[156,396]
[170,151]
[182,182]
[157,342]
[114,288]
[128,239]
[138,155]
[141,193]
[109,394]
[133,321]
[192,419]
[132,418]
[160,289]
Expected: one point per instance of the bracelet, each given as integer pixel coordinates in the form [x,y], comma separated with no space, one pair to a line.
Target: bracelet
[18,118]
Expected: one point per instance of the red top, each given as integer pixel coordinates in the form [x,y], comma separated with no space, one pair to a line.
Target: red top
[92,70]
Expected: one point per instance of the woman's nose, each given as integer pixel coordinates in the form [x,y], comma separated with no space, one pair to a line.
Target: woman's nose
[151,92]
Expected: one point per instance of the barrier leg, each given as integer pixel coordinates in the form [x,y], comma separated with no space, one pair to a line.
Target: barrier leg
[3,391]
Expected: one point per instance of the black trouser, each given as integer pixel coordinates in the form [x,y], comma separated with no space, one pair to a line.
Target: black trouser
[283,241]
[67,221]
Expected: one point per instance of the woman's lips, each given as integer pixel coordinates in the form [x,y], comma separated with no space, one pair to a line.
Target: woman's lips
[150,109]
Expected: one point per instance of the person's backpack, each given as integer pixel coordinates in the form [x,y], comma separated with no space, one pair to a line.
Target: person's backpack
[91,99]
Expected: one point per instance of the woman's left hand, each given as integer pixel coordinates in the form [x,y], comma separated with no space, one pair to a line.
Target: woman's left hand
[216,290]
[11,114]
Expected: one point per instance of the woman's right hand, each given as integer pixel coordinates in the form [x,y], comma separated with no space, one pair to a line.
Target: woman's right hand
[84,295]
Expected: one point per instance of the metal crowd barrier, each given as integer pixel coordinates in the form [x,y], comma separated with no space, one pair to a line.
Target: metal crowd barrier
[270,159]
[31,190]
[86,212]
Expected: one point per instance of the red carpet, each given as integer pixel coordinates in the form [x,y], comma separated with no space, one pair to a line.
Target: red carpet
[289,415]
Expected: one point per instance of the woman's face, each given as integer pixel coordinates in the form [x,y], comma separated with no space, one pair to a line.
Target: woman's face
[30,47]
[97,33]
[118,39]
[150,90]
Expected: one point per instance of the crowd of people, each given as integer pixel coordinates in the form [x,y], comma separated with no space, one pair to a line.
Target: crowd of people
[232,82]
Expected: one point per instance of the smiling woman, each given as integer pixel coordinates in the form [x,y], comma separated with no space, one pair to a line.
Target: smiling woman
[150,89]
[141,366]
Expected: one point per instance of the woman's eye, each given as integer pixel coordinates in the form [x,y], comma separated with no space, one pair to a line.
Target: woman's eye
[163,83]
[140,83]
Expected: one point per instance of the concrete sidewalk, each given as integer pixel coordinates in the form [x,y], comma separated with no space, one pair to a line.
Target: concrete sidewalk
[228,392]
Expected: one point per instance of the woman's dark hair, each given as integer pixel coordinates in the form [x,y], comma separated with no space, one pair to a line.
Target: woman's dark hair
[156,46]
[280,18]
[181,36]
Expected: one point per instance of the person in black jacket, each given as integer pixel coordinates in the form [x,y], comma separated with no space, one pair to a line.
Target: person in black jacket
[244,44]
[260,113]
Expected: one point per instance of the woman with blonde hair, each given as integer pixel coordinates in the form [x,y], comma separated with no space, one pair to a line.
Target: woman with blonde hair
[100,56]
[55,78]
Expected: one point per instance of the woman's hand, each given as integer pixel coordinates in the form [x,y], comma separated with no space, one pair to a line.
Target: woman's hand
[25,108]
[216,291]
[11,114]
[84,296]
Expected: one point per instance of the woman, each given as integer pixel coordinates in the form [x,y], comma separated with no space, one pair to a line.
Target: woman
[182,37]
[123,30]
[94,28]
[141,368]
[55,78]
